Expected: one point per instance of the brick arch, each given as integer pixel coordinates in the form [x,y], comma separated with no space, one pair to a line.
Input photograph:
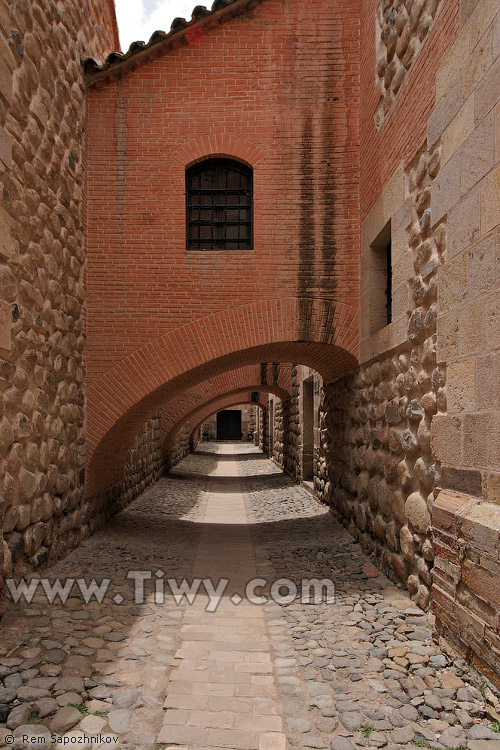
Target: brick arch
[211,404]
[224,403]
[258,378]
[219,144]
[122,399]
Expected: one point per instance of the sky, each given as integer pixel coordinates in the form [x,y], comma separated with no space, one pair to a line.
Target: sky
[137,19]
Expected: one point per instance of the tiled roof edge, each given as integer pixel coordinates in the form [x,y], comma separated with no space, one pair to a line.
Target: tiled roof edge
[138,52]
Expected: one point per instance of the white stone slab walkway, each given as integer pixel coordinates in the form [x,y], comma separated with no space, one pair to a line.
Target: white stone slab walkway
[222,692]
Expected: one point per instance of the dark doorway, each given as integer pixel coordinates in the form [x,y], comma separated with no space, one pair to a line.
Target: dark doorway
[229,425]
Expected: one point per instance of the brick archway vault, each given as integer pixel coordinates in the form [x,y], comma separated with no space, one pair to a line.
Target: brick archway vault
[264,377]
[321,334]
[212,406]
[224,403]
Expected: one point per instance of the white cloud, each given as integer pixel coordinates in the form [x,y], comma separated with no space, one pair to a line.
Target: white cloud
[137,22]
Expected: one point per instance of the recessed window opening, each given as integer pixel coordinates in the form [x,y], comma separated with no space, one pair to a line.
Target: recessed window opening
[219,197]
[381,280]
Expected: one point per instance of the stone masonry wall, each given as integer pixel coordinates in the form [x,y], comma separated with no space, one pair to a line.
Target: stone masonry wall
[42,266]
[145,465]
[278,442]
[376,423]
[466,437]
[182,445]
[288,431]
[402,27]
[292,431]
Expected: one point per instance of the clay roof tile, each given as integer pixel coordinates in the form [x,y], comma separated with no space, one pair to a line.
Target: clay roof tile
[200,15]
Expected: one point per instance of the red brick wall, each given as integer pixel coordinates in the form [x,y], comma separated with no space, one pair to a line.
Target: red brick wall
[405,128]
[278,88]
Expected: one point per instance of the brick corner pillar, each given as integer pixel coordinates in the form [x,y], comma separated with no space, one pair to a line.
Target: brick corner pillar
[465,591]
[447,571]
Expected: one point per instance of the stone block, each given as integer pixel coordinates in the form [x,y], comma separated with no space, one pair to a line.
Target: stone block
[401,219]
[480,527]
[477,154]
[477,64]
[491,319]
[390,199]
[464,222]
[443,606]
[483,15]
[487,92]
[481,262]
[448,506]
[446,439]
[444,112]
[447,337]
[471,328]
[452,64]
[477,606]
[466,8]
[459,129]
[491,487]
[482,440]
[446,575]
[464,481]
[488,382]
[445,543]
[497,126]
[490,201]
[461,383]
[496,36]
[452,283]
[445,190]
[402,260]
[481,582]
[400,300]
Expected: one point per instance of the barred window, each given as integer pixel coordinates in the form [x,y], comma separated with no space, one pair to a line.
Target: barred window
[219,205]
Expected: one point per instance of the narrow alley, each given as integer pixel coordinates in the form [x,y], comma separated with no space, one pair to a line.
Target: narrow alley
[140,670]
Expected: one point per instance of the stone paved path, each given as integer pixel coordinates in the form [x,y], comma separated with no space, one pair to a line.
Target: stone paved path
[360,672]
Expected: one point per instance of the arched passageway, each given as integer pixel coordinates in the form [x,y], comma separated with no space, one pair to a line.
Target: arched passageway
[124,399]
[290,636]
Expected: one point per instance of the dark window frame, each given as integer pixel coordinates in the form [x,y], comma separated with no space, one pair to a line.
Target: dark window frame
[215,199]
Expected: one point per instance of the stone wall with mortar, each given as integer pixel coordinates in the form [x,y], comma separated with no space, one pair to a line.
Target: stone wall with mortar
[183,444]
[263,418]
[291,463]
[288,429]
[145,465]
[402,27]
[42,265]
[466,437]
[376,423]
[278,431]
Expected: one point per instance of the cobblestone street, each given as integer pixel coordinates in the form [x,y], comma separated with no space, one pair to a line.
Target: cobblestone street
[358,672]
